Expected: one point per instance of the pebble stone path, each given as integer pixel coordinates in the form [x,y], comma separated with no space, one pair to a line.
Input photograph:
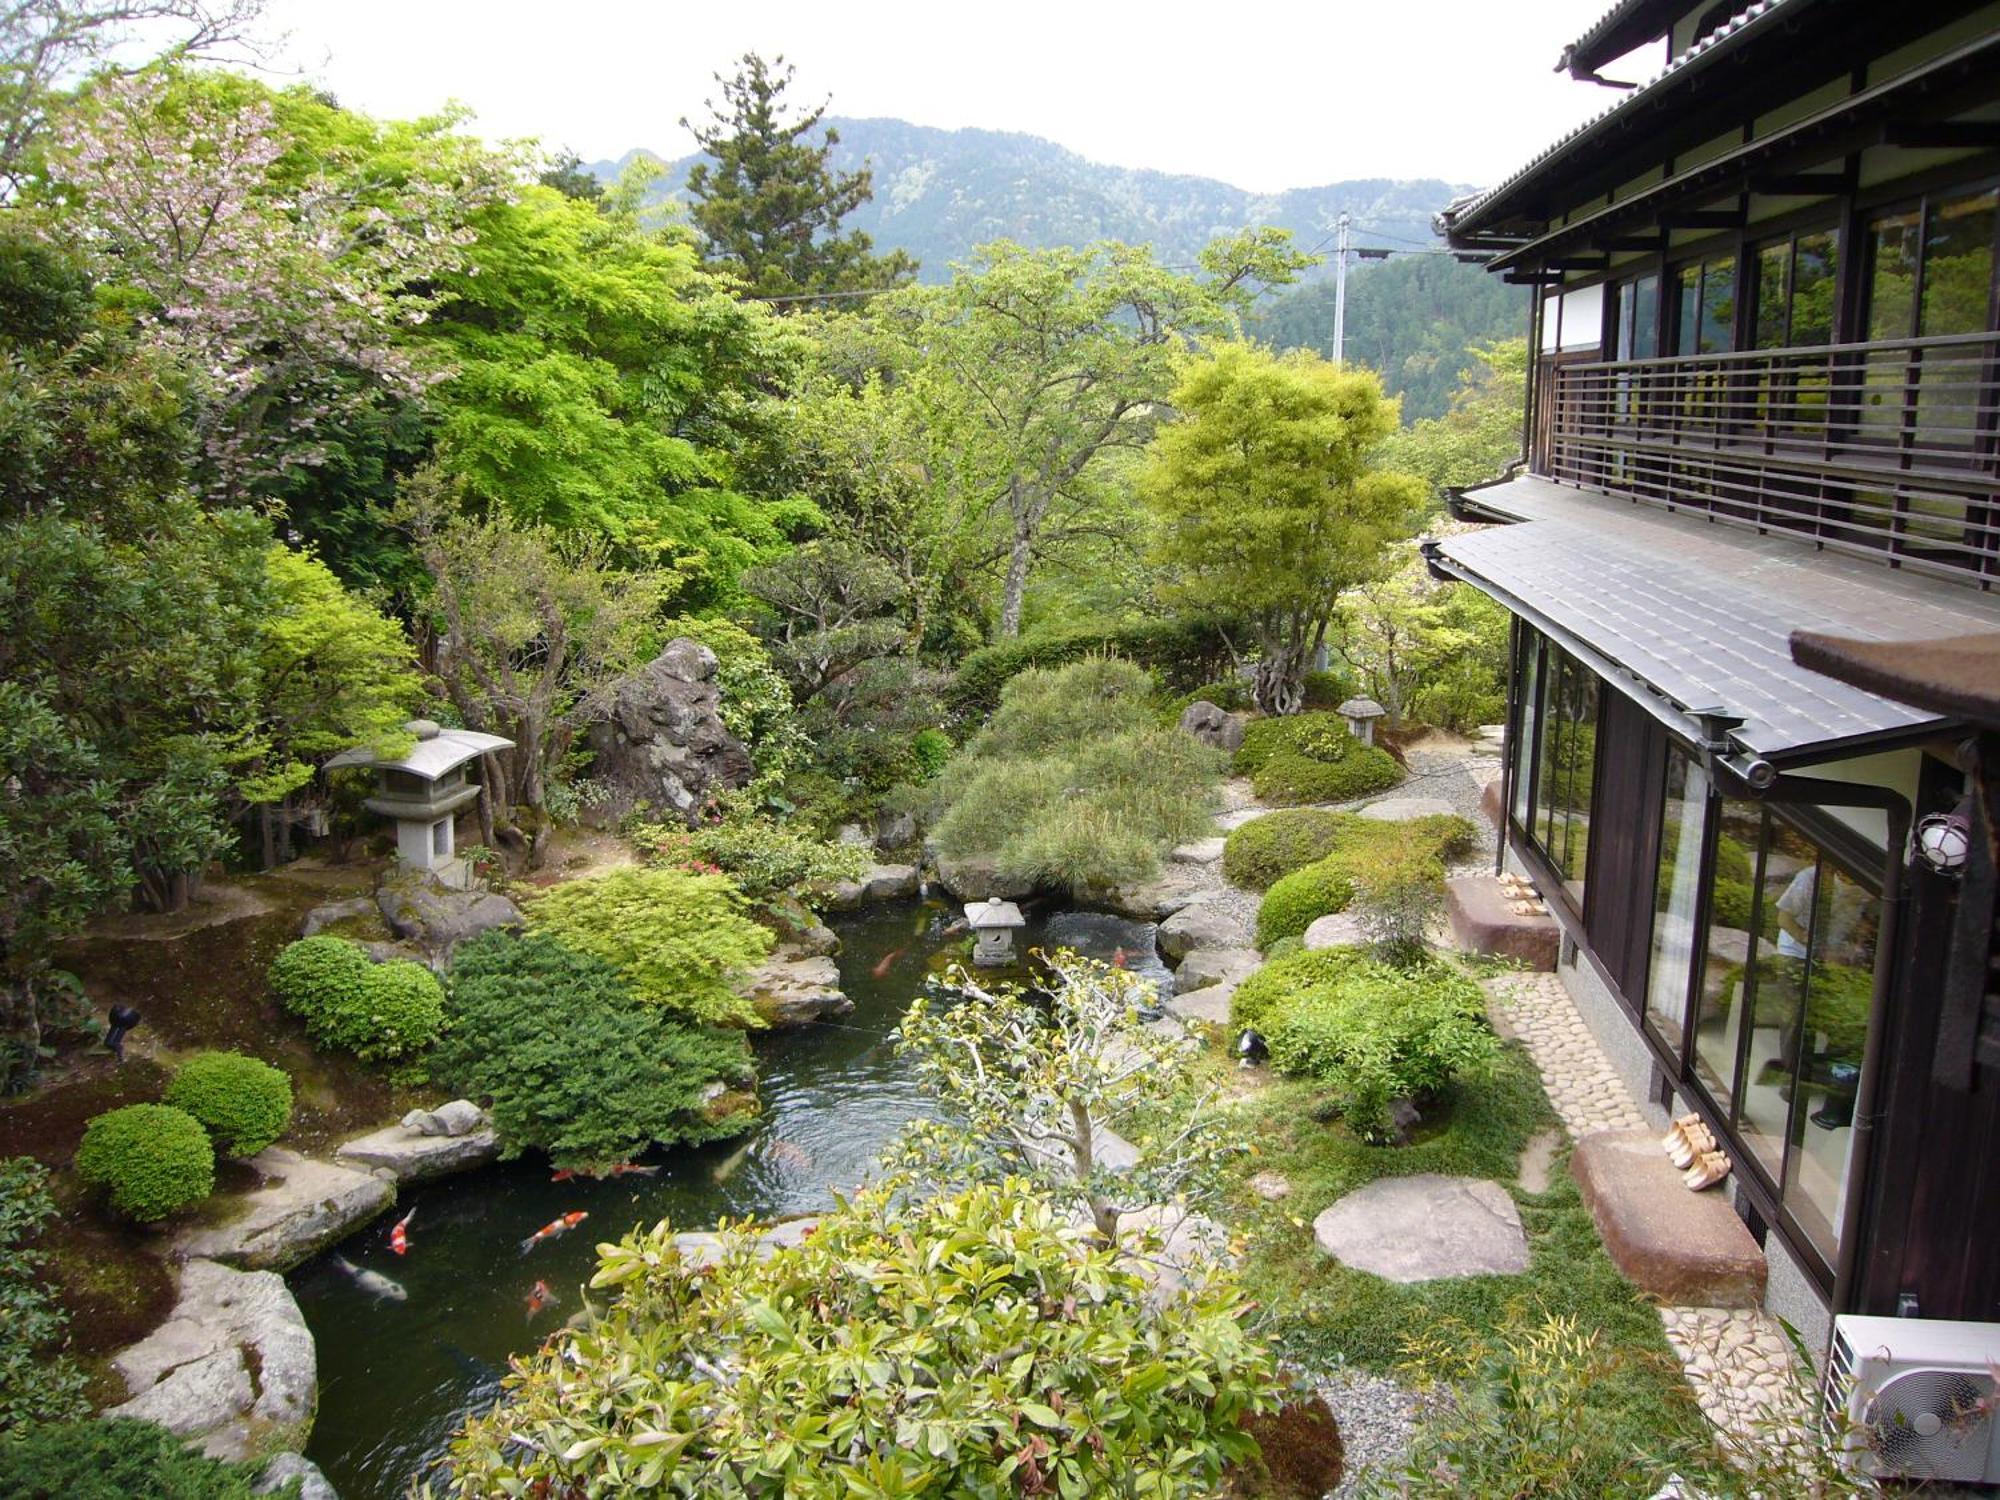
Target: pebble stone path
[1738,1360]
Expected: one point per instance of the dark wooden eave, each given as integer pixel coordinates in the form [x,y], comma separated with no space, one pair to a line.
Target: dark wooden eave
[1628,24]
[1958,676]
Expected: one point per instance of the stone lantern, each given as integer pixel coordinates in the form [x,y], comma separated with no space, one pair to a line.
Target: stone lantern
[993,922]
[1361,714]
[425,790]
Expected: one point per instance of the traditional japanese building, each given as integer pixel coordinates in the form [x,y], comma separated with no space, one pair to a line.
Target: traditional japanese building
[1765,400]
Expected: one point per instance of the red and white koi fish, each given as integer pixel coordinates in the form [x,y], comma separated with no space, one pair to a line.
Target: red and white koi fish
[551,1229]
[539,1298]
[562,1174]
[399,1238]
[887,962]
[1118,959]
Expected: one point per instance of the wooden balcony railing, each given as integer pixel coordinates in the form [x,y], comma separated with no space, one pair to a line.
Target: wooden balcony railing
[1888,449]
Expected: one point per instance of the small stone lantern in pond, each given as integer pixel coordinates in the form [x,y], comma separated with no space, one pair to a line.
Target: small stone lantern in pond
[993,922]
[1361,714]
[425,790]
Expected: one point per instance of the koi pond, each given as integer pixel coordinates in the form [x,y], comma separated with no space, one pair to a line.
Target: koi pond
[396,1376]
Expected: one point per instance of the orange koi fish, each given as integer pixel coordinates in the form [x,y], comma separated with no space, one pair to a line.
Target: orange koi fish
[551,1229]
[1118,959]
[539,1298]
[563,1174]
[887,962]
[399,1238]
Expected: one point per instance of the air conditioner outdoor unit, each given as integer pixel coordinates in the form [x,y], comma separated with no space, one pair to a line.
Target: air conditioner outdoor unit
[1918,1397]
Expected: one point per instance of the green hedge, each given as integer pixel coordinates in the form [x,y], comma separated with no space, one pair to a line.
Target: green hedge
[243,1102]
[119,1459]
[1264,995]
[1288,778]
[1316,736]
[152,1159]
[1294,903]
[1268,848]
[1326,690]
[1184,654]
[347,1000]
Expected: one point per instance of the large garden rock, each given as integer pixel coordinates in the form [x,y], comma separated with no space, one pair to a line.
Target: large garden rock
[233,1367]
[1208,1005]
[304,1206]
[322,917]
[877,883]
[977,878]
[1206,924]
[1407,809]
[1212,726]
[1425,1228]
[1199,852]
[1177,886]
[428,1143]
[797,991]
[1203,967]
[286,1467]
[895,830]
[1338,929]
[436,918]
[663,747]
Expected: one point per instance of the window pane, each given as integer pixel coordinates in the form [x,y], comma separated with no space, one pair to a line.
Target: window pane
[1892,276]
[1839,992]
[1674,896]
[1646,318]
[1958,265]
[1771,295]
[1569,750]
[1718,305]
[1524,738]
[1777,999]
[1725,971]
[1814,280]
[1687,323]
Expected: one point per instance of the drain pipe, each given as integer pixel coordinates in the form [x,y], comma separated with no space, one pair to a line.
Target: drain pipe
[1763,780]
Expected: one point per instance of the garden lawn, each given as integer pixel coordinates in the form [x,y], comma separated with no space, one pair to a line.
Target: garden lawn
[1643,1420]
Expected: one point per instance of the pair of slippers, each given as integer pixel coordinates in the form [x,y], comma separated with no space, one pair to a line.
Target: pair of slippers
[1692,1146]
[1522,900]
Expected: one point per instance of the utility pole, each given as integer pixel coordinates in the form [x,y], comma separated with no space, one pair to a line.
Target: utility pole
[1340,287]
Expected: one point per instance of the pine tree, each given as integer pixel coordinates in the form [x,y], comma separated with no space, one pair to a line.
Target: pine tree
[770,206]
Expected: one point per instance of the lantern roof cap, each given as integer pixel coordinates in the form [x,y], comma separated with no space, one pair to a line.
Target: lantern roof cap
[1361,708]
[437,751]
[993,912]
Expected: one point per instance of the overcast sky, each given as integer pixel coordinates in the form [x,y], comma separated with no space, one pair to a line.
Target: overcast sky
[1262,96]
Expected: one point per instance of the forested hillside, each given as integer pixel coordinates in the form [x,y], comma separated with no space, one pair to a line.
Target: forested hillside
[940,193]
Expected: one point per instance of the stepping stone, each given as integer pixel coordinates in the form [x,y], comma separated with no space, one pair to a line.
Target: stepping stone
[1484,922]
[1229,822]
[1426,1228]
[1407,809]
[1678,1246]
[1205,966]
[1200,852]
[303,1206]
[1210,1004]
[1271,1186]
[1202,925]
[1336,930]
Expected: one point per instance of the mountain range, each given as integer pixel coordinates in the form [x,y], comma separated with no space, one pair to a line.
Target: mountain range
[938,193]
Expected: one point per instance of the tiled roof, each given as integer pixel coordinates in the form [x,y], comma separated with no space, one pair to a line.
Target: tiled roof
[1703,614]
[1622,27]
[1459,215]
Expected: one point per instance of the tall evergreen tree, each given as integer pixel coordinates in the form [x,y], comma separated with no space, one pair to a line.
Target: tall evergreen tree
[770,207]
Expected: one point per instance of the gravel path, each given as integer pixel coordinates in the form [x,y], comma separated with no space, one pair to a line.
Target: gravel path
[1378,1422]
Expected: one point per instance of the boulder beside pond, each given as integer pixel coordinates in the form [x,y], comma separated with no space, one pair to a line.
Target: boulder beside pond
[233,1368]
[1212,726]
[795,991]
[455,1137]
[303,1206]
[978,878]
[663,747]
[437,919]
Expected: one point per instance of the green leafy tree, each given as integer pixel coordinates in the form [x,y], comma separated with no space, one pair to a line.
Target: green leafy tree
[915,1346]
[1481,432]
[533,631]
[1411,640]
[830,602]
[1265,503]
[1045,364]
[768,204]
[333,673]
[1050,1086]
[600,382]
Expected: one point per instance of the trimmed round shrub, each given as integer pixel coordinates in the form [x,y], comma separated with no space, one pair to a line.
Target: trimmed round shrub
[1327,690]
[1288,777]
[118,1459]
[1268,848]
[243,1102]
[347,1000]
[1293,904]
[1285,947]
[1259,1000]
[1377,1034]
[1316,736]
[152,1158]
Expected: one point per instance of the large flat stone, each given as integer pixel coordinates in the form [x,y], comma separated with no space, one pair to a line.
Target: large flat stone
[1677,1245]
[1175,888]
[1202,967]
[976,878]
[1338,929]
[1236,817]
[1426,1228]
[1483,921]
[411,1156]
[1202,925]
[304,1206]
[1200,852]
[233,1367]
[1407,809]
[1209,1004]
[796,991]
